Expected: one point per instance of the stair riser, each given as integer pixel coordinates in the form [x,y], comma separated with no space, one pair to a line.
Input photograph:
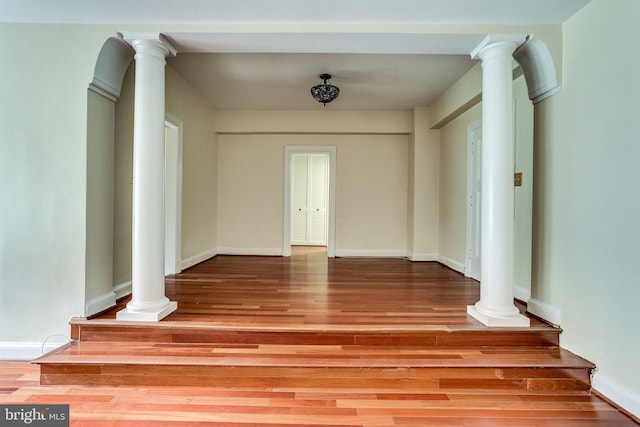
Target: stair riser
[422,339]
[539,381]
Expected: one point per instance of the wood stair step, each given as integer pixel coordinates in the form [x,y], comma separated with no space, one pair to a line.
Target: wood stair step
[210,332]
[525,369]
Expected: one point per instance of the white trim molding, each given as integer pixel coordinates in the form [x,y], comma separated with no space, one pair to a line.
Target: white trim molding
[367,253]
[104,89]
[422,257]
[100,303]
[251,251]
[521,293]
[27,350]
[122,290]
[545,311]
[625,398]
[197,259]
[452,264]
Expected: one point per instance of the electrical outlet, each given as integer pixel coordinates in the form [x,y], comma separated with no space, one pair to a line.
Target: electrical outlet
[517,179]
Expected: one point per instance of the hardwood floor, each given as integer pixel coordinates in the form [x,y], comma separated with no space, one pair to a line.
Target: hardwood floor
[238,406]
[311,341]
[313,292]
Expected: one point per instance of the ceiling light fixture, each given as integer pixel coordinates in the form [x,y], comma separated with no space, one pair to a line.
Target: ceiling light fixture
[324,92]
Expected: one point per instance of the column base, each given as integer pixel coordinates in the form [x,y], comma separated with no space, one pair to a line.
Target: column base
[514,321]
[147,316]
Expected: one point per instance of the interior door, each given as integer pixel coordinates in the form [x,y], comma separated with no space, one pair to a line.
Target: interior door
[318,195]
[299,199]
[310,191]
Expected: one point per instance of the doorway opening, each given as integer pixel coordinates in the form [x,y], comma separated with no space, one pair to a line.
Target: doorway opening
[309,197]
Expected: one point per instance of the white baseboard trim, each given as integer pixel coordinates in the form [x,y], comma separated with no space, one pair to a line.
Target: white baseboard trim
[422,257]
[364,253]
[122,290]
[100,303]
[521,294]
[625,398]
[197,259]
[546,311]
[451,263]
[29,350]
[251,251]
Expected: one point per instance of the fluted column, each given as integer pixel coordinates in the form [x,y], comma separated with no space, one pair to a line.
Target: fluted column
[148,302]
[496,306]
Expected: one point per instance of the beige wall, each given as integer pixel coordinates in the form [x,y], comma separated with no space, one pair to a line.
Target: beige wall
[100,150]
[587,197]
[199,160]
[318,122]
[123,181]
[371,199]
[43,159]
[250,193]
[423,189]
[523,195]
[453,186]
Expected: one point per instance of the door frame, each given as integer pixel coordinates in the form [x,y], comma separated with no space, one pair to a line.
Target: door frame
[173,195]
[331,226]
[470,222]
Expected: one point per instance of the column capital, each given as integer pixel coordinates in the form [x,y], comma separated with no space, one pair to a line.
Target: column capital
[508,42]
[153,41]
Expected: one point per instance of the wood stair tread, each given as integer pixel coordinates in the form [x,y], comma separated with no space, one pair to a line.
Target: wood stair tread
[310,356]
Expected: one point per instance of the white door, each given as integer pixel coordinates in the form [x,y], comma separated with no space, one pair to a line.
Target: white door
[172,195]
[309,191]
[474,188]
[300,199]
[318,196]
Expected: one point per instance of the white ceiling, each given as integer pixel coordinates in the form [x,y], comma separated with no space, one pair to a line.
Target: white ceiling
[275,70]
[290,11]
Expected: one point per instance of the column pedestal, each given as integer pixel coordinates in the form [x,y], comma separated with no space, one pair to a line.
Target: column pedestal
[148,302]
[496,307]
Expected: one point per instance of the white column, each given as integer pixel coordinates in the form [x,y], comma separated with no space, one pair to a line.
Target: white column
[496,307]
[148,302]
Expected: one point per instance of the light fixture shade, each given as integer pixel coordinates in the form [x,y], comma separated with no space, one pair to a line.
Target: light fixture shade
[324,92]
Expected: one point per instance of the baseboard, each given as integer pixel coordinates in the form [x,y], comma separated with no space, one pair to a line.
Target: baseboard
[422,257]
[251,251]
[618,394]
[29,350]
[364,253]
[197,259]
[100,303]
[545,311]
[451,263]
[122,290]
[521,294]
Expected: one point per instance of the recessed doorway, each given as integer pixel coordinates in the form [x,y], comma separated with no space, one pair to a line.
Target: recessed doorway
[309,197]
